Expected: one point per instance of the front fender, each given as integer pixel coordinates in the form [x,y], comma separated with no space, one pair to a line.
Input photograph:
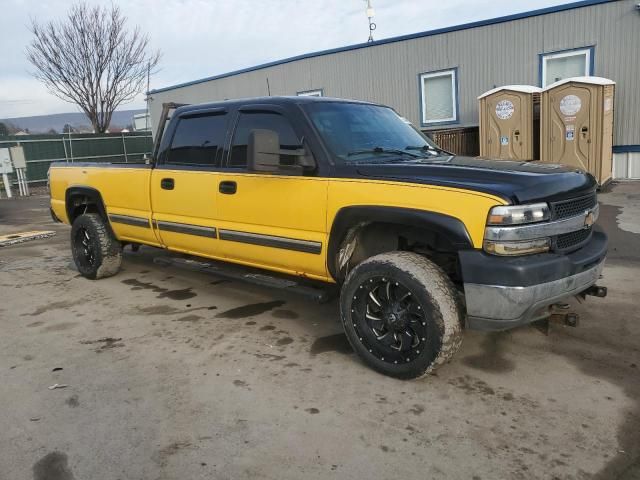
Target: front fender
[447,226]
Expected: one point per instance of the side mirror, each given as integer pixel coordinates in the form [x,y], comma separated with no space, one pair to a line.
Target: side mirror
[264,154]
[263,150]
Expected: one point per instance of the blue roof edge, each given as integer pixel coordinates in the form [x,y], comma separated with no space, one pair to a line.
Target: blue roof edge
[428,33]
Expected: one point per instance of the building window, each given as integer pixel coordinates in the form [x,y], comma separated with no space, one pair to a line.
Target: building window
[439,97]
[310,93]
[560,65]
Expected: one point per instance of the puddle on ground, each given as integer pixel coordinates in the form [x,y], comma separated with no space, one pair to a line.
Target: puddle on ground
[332,343]
[53,466]
[492,359]
[182,294]
[250,310]
[285,314]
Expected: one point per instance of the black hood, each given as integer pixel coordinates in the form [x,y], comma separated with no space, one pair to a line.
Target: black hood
[517,182]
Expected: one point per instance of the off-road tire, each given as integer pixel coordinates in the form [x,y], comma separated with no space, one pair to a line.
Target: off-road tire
[436,297]
[105,249]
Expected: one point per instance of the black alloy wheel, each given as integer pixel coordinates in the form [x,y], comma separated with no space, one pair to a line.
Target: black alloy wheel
[389,319]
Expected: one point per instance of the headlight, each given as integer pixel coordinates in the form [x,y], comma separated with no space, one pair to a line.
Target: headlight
[518,214]
[525,247]
[512,218]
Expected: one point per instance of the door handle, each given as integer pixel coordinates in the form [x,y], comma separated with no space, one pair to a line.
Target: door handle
[167,184]
[228,187]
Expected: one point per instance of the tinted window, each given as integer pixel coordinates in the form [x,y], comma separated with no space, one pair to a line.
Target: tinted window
[198,140]
[349,128]
[262,120]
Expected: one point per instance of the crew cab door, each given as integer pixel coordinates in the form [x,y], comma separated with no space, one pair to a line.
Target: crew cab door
[271,220]
[184,183]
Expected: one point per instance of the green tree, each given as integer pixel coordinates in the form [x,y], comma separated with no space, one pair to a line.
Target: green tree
[4,131]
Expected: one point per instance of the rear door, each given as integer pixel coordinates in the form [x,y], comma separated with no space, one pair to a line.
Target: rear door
[271,220]
[184,184]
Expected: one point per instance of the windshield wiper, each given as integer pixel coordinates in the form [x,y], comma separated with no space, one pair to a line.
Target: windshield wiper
[427,148]
[377,150]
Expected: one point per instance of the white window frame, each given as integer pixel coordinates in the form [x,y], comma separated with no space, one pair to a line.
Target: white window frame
[587,52]
[311,93]
[453,72]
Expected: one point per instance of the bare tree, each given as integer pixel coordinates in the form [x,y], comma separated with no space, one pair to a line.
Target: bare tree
[92,59]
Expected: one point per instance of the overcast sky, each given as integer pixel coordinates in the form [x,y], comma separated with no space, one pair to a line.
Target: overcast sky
[199,38]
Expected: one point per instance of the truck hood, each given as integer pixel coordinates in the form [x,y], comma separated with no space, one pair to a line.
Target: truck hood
[517,182]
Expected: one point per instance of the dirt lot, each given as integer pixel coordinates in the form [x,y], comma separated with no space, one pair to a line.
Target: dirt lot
[174,374]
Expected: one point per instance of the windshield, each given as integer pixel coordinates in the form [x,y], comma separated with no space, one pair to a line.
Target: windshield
[360,133]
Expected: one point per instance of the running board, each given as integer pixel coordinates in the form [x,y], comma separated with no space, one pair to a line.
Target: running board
[245,274]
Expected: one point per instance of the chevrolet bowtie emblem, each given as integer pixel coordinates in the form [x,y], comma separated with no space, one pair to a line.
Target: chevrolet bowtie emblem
[589,219]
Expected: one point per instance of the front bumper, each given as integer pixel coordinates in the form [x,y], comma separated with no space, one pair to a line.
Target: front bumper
[503,293]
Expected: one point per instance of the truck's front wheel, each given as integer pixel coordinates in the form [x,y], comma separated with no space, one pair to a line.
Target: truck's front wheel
[96,252]
[401,314]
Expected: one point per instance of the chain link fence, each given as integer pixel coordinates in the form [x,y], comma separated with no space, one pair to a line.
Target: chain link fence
[42,150]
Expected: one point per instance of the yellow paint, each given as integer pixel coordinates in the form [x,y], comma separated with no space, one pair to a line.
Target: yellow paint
[284,206]
[125,191]
[192,201]
[468,206]
[296,207]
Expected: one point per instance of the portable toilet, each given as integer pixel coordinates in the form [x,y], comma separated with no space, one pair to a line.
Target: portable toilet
[577,125]
[509,122]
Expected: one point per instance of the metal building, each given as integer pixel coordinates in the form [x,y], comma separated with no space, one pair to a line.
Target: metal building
[433,78]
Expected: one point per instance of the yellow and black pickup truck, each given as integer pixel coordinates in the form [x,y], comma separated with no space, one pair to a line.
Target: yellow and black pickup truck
[421,243]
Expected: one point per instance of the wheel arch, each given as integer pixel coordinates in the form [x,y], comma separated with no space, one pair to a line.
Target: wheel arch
[349,221]
[79,198]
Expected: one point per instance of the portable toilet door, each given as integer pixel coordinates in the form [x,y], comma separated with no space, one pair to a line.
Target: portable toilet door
[509,127]
[577,125]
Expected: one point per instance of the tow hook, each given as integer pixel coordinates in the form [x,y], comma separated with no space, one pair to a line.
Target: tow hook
[595,291]
[559,314]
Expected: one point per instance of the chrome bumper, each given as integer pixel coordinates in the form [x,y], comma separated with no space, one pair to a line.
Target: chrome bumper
[496,307]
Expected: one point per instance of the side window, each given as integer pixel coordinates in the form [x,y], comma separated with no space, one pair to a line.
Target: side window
[260,120]
[198,140]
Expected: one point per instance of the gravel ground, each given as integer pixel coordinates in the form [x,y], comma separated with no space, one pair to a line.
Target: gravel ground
[172,374]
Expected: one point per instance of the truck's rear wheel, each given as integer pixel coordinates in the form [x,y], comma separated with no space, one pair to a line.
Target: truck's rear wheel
[401,314]
[96,252]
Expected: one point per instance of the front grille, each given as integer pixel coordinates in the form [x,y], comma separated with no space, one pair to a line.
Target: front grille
[572,240]
[572,207]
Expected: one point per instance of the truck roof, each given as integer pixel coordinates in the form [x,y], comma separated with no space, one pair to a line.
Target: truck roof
[277,100]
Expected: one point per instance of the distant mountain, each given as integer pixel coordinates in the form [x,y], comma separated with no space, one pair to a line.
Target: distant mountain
[44,123]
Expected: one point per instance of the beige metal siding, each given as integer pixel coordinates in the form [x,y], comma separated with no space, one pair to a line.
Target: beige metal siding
[487,56]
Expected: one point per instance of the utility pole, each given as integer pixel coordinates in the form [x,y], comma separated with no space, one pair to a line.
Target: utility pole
[370,14]
[146,117]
